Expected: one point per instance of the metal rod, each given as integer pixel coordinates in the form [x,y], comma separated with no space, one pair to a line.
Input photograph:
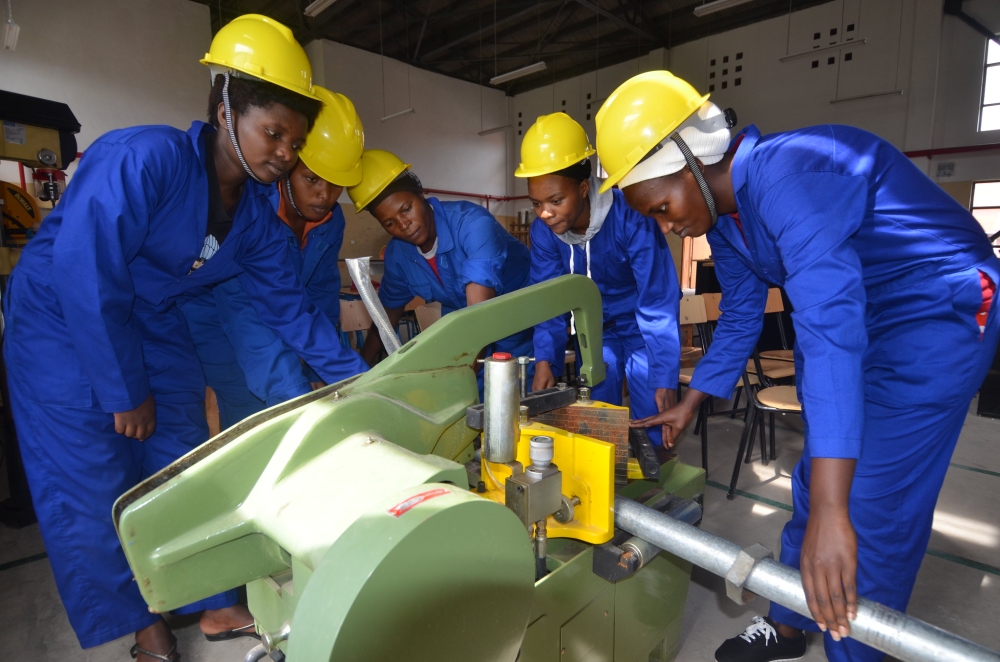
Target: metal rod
[878,626]
[501,408]
[867,96]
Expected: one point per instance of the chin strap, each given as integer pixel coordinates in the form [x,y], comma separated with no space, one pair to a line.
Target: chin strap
[696,171]
[232,132]
[291,198]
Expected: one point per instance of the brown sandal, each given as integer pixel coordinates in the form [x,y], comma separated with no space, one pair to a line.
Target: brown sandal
[135,652]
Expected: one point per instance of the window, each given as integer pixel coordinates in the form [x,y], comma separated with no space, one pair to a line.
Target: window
[989,118]
[986,206]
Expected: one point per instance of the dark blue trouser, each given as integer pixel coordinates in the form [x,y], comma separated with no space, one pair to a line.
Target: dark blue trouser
[625,358]
[77,467]
[925,362]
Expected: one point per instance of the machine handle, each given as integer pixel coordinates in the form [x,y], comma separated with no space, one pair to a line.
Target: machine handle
[458,337]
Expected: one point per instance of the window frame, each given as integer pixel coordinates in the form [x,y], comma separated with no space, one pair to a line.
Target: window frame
[973,208]
[982,98]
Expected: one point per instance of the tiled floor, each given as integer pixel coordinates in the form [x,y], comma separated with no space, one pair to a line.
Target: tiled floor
[958,587]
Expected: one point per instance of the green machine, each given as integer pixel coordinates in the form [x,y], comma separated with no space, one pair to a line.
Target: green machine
[368,522]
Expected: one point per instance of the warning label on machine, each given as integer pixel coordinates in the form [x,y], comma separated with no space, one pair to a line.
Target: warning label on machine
[405,506]
[15,134]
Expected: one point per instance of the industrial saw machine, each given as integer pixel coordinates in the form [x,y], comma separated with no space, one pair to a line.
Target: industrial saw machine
[368,522]
[393,517]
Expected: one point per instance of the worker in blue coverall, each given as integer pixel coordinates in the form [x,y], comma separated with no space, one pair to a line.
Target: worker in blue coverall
[105,383]
[245,362]
[579,230]
[884,269]
[452,252]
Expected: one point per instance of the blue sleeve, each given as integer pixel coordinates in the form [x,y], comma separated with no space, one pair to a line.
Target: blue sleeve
[394,291]
[105,221]
[546,263]
[484,243]
[658,301]
[274,372]
[277,294]
[813,216]
[744,297]
[324,284]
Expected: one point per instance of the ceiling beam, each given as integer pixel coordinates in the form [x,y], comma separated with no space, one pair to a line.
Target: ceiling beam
[618,19]
[541,6]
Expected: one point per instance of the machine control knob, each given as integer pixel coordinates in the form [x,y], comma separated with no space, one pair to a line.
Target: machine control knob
[47,157]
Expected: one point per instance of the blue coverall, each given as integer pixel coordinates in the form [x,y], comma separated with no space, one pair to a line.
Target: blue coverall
[630,263]
[246,363]
[882,267]
[93,329]
[472,248]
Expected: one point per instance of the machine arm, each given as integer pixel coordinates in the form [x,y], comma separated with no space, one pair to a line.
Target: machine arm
[458,337]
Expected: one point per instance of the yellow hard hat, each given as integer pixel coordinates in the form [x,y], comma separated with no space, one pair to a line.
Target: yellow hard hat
[263,48]
[378,169]
[553,142]
[637,116]
[333,148]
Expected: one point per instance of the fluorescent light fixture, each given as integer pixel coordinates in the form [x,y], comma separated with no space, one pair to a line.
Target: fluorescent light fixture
[496,129]
[10,32]
[318,7]
[717,5]
[518,73]
[399,114]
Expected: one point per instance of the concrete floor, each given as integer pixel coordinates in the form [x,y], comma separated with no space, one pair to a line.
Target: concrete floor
[958,587]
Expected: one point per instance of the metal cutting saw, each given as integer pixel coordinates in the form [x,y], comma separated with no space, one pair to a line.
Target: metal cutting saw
[392,516]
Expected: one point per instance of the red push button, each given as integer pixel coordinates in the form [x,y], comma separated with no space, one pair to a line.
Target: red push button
[501,356]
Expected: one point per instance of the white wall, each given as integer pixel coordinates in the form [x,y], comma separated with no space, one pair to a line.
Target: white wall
[440,138]
[931,65]
[117,63]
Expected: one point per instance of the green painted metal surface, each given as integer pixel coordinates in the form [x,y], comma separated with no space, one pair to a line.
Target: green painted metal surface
[647,608]
[296,503]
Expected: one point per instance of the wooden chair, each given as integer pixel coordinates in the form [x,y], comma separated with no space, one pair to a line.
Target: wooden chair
[777,306]
[772,399]
[777,363]
[427,314]
[354,320]
[692,311]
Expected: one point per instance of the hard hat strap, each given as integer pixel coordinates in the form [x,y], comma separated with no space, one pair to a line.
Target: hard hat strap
[698,176]
[291,198]
[232,131]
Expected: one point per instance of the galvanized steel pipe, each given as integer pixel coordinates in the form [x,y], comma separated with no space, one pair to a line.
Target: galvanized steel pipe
[878,626]
[360,271]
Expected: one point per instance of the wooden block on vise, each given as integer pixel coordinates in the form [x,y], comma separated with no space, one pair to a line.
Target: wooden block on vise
[599,421]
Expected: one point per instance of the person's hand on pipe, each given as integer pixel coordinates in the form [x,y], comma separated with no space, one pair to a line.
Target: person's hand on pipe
[543,377]
[675,418]
[138,423]
[829,558]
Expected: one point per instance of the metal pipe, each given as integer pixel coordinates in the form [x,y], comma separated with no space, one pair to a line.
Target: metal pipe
[878,626]
[501,408]
[642,550]
[258,652]
[361,275]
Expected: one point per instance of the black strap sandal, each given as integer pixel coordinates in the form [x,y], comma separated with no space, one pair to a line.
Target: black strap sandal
[245,631]
[171,655]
